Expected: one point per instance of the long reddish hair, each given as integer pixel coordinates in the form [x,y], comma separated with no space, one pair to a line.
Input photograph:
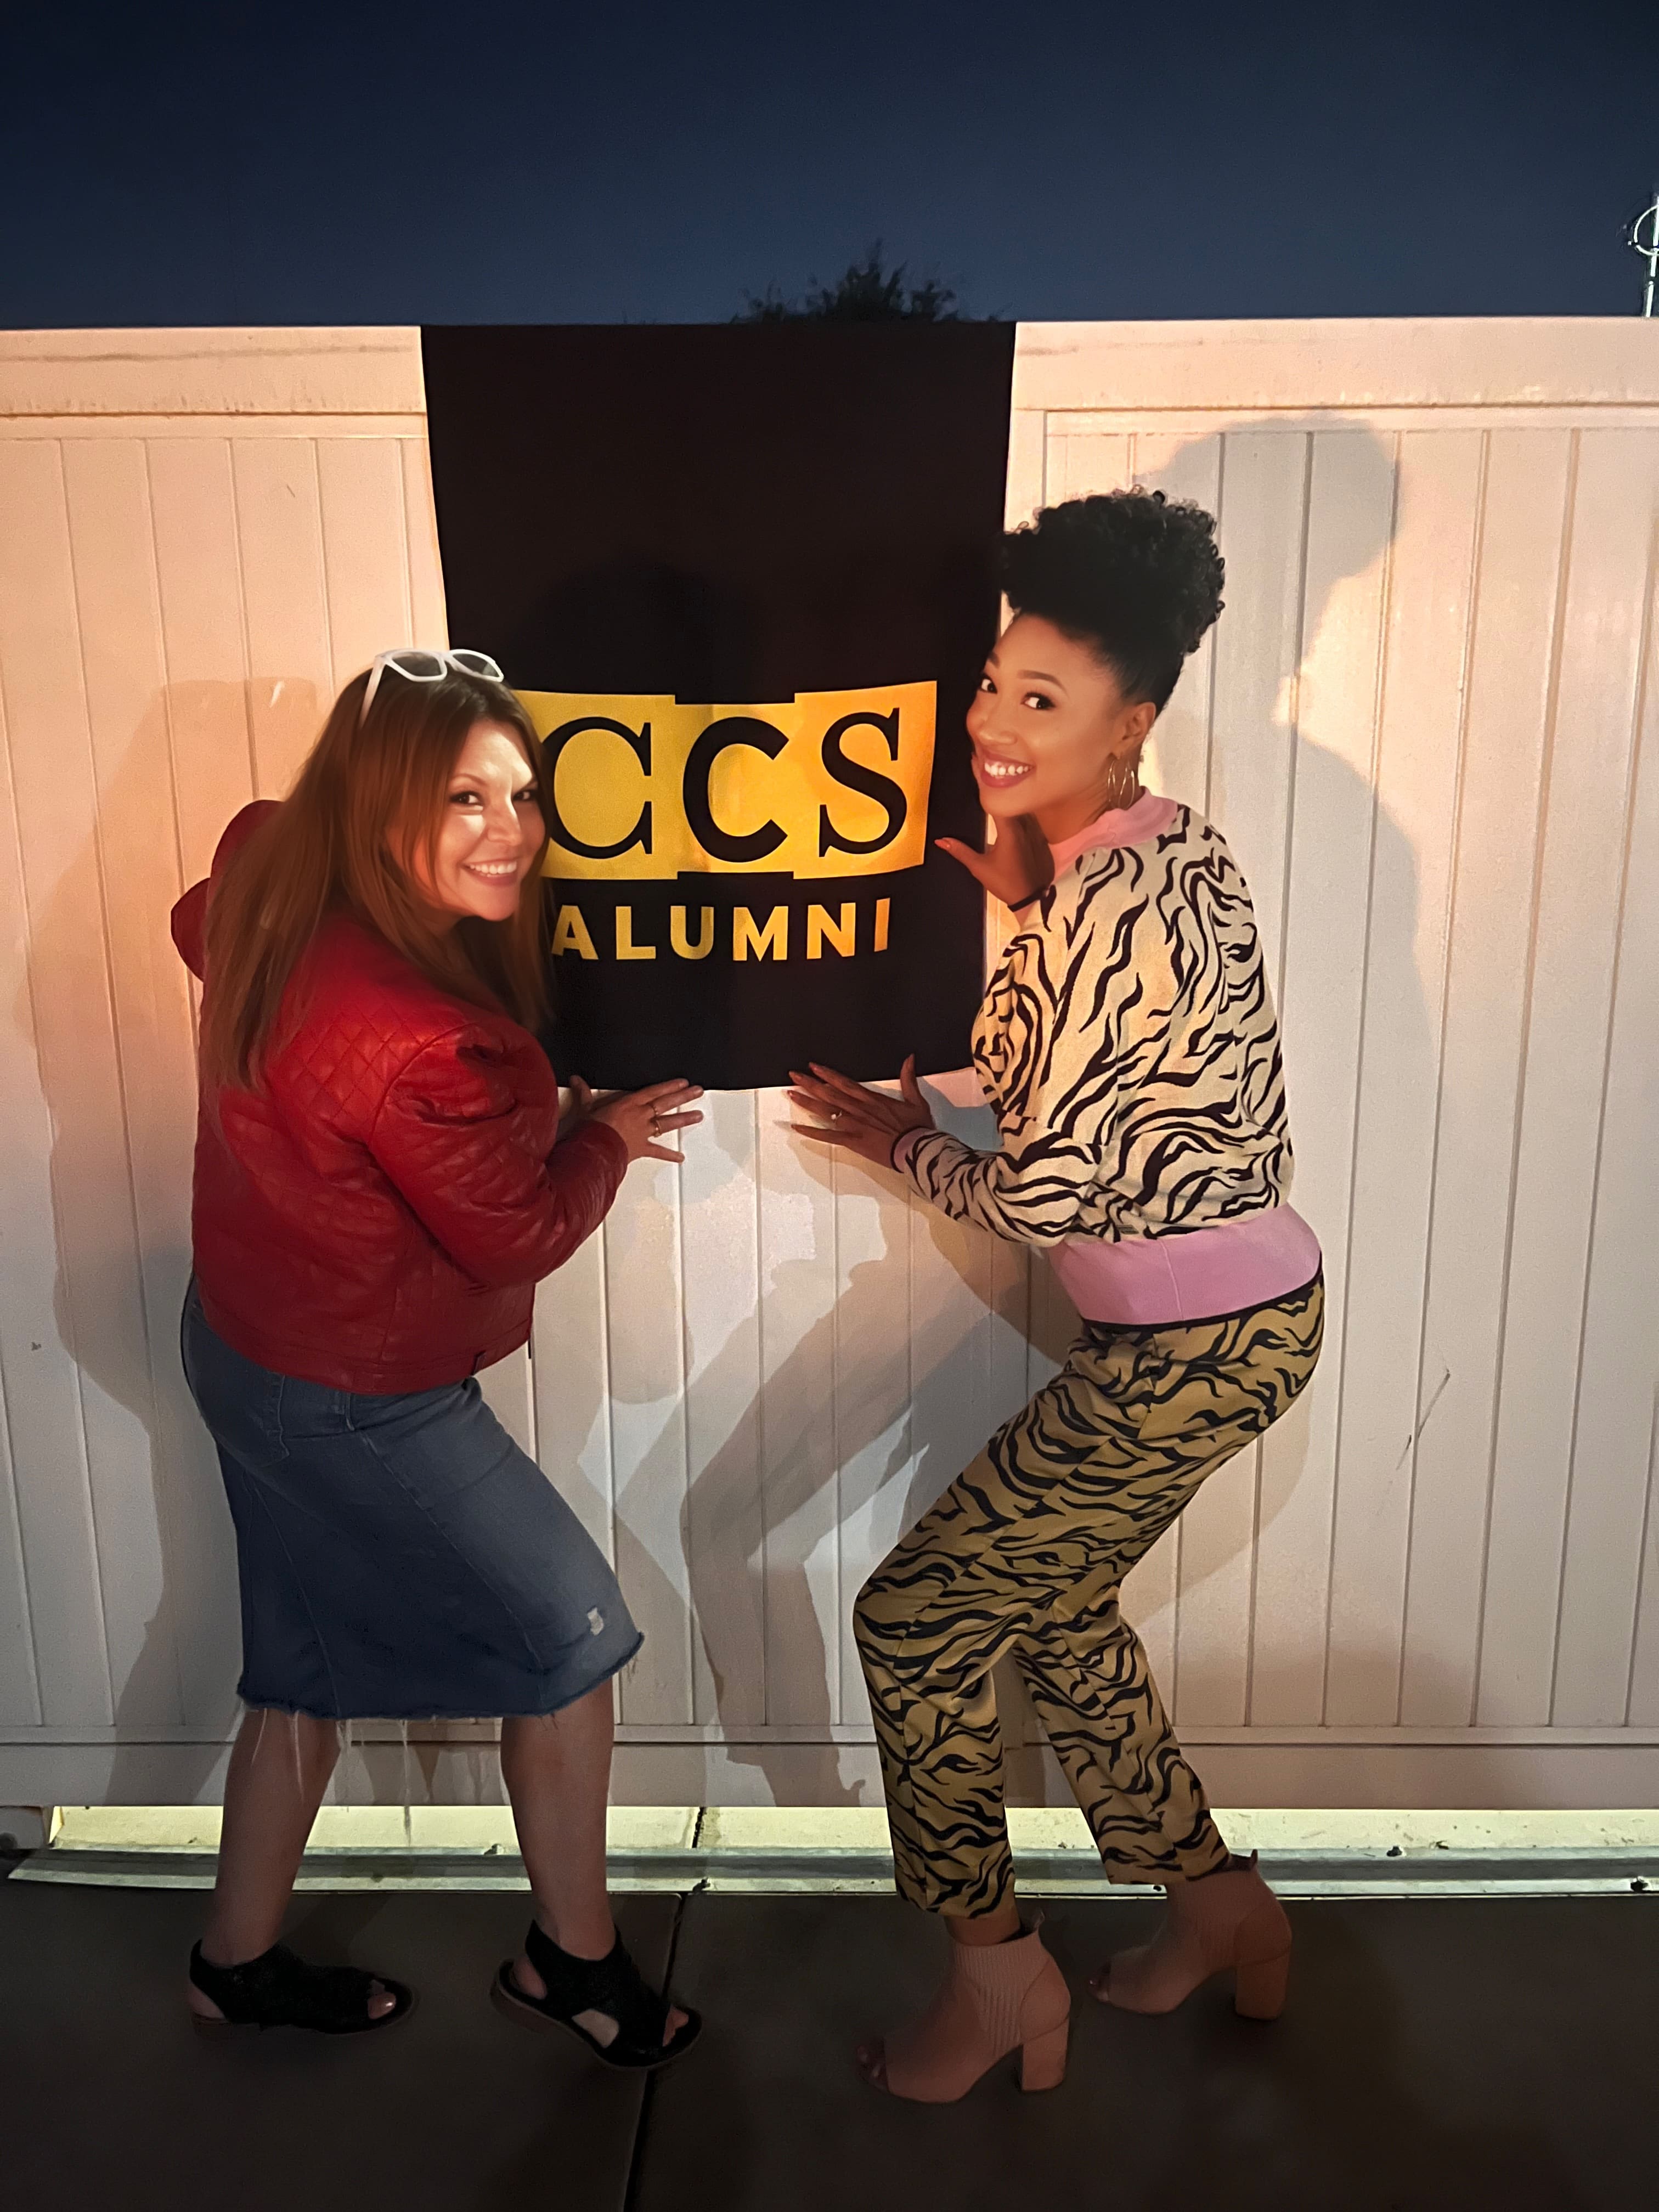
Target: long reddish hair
[373,789]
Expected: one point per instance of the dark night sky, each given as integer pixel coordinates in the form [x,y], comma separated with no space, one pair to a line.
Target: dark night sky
[500,162]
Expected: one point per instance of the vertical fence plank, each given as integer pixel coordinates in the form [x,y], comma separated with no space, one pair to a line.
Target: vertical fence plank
[1027,440]
[1618,1382]
[130,1273]
[1183,465]
[645,1339]
[1509,685]
[1350,524]
[65,1166]
[726,1511]
[1581,869]
[1257,647]
[797,1231]
[428,622]
[280,539]
[1642,1709]
[1419,744]
[204,657]
[877,1446]
[20,1682]
[193,515]
[24,1110]
[365,539]
[569,1372]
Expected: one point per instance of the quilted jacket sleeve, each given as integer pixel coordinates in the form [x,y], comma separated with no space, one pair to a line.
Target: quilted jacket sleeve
[189,914]
[452,1135]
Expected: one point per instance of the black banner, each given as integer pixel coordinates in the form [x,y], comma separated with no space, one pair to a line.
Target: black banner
[744,577]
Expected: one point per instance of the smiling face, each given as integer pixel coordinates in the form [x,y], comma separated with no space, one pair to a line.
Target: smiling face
[1052,731]
[490,832]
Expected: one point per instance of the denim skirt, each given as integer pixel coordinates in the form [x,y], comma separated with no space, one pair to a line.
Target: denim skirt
[399,1558]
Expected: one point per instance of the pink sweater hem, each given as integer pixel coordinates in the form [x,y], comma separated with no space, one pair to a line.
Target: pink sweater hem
[1150,1282]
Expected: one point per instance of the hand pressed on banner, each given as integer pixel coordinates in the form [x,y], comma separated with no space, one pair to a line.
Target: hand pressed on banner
[1014,869]
[640,1118]
[859,1120]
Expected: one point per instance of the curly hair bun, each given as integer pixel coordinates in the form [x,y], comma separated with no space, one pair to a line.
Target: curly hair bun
[1134,575]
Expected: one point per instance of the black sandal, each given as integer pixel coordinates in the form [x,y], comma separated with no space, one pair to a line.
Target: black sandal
[277,1990]
[611,1986]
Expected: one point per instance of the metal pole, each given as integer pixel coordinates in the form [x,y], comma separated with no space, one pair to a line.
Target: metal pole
[1649,247]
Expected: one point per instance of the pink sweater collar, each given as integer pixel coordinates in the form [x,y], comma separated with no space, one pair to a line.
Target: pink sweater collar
[1149,817]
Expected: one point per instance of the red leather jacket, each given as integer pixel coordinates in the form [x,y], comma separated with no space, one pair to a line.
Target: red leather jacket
[376,1217]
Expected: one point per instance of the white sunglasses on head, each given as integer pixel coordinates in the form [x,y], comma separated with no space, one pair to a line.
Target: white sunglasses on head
[416,665]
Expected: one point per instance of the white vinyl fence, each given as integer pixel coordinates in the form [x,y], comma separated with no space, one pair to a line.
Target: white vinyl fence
[1428,724]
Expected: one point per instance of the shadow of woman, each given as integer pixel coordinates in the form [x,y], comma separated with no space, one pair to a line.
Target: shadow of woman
[727,1516]
[123,1109]
[749,1530]
[729,1522]
[1310,511]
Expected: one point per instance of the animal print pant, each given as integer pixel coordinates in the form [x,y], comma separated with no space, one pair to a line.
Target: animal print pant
[1023,1556]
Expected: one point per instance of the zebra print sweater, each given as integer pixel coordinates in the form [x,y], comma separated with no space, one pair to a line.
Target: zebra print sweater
[1128,1045]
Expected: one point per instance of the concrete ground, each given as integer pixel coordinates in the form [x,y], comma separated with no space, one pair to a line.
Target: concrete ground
[1437,2053]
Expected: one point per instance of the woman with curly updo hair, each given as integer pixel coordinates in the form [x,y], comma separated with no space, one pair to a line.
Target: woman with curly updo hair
[1128,1045]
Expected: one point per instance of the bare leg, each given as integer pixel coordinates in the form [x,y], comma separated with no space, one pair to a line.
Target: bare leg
[556,1767]
[279,1770]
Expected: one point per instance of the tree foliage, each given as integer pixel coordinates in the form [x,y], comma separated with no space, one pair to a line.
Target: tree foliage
[866,291]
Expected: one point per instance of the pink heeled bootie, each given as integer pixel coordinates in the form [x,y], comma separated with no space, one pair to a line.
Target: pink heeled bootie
[1229,1920]
[997,1997]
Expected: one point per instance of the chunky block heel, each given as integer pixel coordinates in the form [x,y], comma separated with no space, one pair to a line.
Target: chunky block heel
[1259,1987]
[1229,1918]
[1043,2060]
[994,1998]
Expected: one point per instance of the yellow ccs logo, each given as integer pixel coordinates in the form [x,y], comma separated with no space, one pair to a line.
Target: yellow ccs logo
[827,784]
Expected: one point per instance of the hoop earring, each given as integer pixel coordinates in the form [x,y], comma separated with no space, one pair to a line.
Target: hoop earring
[1121,792]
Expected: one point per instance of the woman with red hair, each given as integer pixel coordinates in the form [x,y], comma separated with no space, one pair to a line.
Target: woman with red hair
[382,1176]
